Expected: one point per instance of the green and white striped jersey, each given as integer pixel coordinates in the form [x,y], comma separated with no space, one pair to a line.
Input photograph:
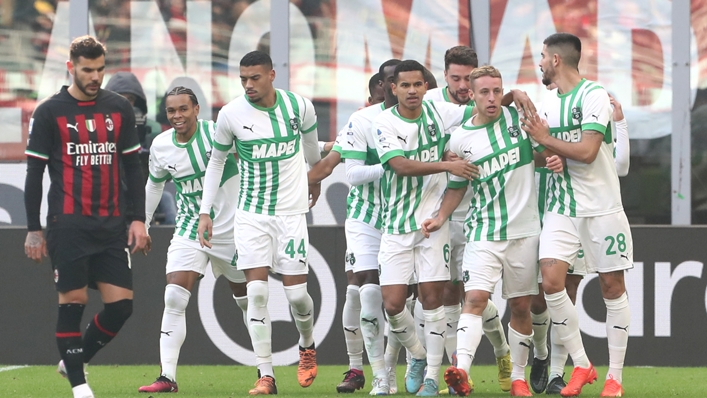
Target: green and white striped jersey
[186,164]
[583,190]
[440,94]
[407,201]
[504,202]
[270,158]
[357,142]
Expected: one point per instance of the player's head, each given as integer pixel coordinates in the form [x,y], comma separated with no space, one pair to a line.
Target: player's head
[409,83]
[386,71]
[430,79]
[87,65]
[182,109]
[375,89]
[487,87]
[257,75]
[559,50]
[459,61]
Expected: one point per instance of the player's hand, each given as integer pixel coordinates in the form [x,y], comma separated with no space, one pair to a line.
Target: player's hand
[618,110]
[431,225]
[205,230]
[523,102]
[137,237]
[462,168]
[35,246]
[555,163]
[148,245]
[537,127]
[314,191]
[449,155]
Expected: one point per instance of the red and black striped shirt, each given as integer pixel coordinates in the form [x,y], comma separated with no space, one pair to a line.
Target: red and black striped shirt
[82,143]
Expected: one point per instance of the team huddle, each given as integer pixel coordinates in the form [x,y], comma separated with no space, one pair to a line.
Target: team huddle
[452,190]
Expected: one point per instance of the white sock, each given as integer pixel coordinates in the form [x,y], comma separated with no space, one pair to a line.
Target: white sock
[541,323]
[259,326]
[372,325]
[410,305]
[558,355]
[493,329]
[174,328]
[392,351]
[242,303]
[350,320]
[520,346]
[418,313]
[403,325]
[618,318]
[82,391]
[302,309]
[452,312]
[435,328]
[565,320]
[469,334]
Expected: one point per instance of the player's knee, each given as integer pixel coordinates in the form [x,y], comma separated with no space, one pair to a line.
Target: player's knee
[119,311]
[258,293]
[538,304]
[298,297]
[176,297]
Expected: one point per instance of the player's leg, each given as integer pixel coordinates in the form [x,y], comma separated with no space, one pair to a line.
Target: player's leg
[540,318]
[351,323]
[493,330]
[454,289]
[520,335]
[292,263]
[240,295]
[392,349]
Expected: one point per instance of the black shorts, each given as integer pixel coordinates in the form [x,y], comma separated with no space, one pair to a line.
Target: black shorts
[81,257]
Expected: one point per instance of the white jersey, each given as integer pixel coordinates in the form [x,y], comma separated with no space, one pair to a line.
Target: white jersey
[583,190]
[504,202]
[407,201]
[270,158]
[357,142]
[440,94]
[186,164]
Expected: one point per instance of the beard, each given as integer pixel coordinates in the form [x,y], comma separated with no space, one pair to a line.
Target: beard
[83,88]
[546,81]
[458,99]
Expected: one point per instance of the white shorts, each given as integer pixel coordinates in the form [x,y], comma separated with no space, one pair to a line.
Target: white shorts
[606,241]
[188,255]
[457,242]
[403,255]
[514,260]
[579,267]
[363,242]
[278,242]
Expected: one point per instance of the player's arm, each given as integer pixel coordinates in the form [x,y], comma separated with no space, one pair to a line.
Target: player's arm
[622,148]
[358,173]
[35,245]
[353,141]
[153,192]
[452,198]
[584,151]
[521,100]
[310,145]
[323,168]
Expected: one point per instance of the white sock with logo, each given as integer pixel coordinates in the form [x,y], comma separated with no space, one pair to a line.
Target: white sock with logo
[618,319]
[469,334]
[493,329]
[541,323]
[403,325]
[302,309]
[350,320]
[565,319]
[242,303]
[558,355]
[259,326]
[435,328]
[520,346]
[372,326]
[452,312]
[174,328]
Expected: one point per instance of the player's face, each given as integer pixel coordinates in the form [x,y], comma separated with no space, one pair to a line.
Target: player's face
[457,78]
[88,75]
[377,95]
[182,113]
[546,66]
[257,81]
[388,73]
[488,92]
[410,89]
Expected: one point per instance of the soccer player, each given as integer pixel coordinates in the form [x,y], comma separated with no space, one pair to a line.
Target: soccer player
[502,226]
[459,62]
[85,135]
[375,89]
[539,377]
[274,131]
[584,209]
[410,141]
[182,153]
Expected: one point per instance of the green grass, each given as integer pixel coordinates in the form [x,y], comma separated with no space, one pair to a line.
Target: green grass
[235,381]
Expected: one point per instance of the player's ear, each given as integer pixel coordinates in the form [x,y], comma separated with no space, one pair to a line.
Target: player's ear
[196,109]
[70,66]
[272,74]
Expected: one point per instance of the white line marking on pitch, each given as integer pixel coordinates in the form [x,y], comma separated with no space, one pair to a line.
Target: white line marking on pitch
[6,368]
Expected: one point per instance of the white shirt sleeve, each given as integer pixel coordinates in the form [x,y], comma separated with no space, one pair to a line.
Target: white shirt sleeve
[223,142]
[387,143]
[453,115]
[622,148]
[358,173]
[596,110]
[153,195]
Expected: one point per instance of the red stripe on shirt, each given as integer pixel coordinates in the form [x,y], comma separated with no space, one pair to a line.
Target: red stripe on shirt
[86,172]
[68,169]
[104,168]
[117,124]
[68,334]
[86,103]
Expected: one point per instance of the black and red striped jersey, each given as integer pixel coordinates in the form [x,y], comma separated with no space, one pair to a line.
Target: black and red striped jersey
[82,142]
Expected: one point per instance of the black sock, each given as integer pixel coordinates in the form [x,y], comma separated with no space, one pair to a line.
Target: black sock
[68,339]
[104,326]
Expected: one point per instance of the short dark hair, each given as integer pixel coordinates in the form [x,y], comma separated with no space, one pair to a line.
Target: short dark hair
[461,55]
[430,79]
[409,65]
[390,62]
[373,82]
[567,46]
[255,58]
[179,90]
[87,47]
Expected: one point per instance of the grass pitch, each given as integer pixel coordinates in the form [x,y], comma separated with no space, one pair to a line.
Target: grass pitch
[235,381]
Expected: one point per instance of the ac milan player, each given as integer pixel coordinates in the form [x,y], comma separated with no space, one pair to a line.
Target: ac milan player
[87,137]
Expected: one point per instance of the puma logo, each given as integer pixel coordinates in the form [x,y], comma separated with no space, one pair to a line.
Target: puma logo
[351,330]
[73,126]
[462,329]
[373,321]
[563,323]
[539,324]
[524,344]
[438,334]
[399,331]
[467,152]
[249,128]
[405,140]
[307,314]
[491,319]
[625,329]
[166,333]
[302,261]
[449,325]
[258,320]
[173,168]
[624,256]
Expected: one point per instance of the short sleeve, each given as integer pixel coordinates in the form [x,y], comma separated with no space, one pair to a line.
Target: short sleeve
[158,173]
[40,141]
[387,144]
[596,110]
[309,117]
[223,135]
[353,139]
